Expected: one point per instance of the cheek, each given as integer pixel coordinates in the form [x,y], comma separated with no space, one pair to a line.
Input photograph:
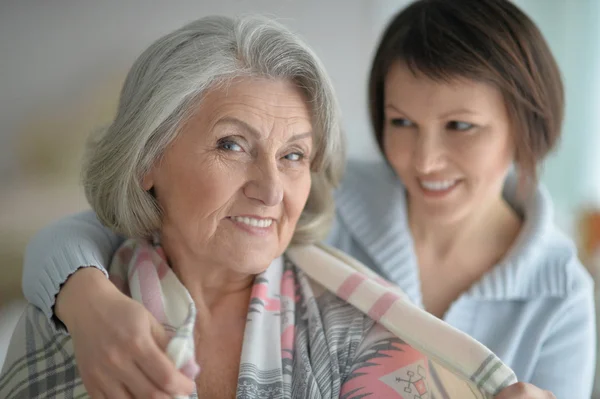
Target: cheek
[296,194]
[490,160]
[301,191]
[196,191]
[397,150]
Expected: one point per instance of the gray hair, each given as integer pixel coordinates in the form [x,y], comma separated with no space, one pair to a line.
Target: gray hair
[159,93]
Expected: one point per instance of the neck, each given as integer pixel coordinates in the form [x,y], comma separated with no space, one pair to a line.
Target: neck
[488,230]
[217,291]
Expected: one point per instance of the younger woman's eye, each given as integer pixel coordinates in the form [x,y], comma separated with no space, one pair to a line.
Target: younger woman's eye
[229,145]
[460,126]
[400,122]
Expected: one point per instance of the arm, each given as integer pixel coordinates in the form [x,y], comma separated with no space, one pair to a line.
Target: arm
[59,250]
[568,356]
[100,319]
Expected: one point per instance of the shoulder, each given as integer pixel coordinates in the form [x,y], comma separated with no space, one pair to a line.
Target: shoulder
[322,274]
[371,200]
[337,314]
[543,261]
[545,268]
[374,176]
[555,269]
[560,254]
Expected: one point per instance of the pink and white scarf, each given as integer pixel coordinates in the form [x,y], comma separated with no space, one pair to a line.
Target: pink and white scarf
[302,339]
[464,368]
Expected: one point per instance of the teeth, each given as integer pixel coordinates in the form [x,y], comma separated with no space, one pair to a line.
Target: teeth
[253,222]
[437,185]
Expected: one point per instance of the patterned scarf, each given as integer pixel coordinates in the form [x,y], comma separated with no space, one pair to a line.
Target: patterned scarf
[292,347]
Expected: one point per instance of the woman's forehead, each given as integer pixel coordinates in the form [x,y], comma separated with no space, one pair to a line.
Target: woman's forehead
[409,90]
[255,101]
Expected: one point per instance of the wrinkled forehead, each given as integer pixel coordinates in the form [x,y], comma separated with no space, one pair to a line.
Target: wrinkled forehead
[258,102]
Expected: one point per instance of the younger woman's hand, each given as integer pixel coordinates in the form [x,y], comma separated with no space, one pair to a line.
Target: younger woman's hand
[522,390]
[119,346]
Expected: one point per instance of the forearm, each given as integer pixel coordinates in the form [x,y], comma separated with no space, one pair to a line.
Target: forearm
[59,250]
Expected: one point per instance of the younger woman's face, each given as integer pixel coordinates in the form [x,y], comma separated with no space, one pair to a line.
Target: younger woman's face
[451,144]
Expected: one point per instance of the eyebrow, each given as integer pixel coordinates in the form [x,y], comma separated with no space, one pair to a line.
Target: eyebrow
[256,133]
[392,106]
[459,111]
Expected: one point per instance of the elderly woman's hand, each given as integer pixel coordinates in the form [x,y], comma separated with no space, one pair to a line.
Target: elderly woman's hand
[119,346]
[522,390]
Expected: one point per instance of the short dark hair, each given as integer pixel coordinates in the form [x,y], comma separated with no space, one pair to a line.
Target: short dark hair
[485,40]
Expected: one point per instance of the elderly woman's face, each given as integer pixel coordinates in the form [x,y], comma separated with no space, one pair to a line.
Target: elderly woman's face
[233,184]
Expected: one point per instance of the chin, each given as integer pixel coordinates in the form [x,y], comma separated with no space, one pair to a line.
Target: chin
[448,218]
[254,262]
[446,214]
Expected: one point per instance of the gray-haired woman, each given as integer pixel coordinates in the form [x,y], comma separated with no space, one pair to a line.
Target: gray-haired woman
[225,148]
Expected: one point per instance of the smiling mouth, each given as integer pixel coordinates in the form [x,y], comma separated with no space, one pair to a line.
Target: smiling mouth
[440,185]
[253,222]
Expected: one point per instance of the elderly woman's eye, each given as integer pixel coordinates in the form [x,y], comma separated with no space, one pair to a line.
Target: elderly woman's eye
[294,156]
[229,145]
[400,122]
[460,126]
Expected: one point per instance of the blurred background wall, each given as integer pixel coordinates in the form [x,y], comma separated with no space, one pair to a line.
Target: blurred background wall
[62,63]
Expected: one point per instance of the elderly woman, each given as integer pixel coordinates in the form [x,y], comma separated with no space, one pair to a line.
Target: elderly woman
[222,126]
[224,150]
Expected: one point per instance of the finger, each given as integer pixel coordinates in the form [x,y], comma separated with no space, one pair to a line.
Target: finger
[511,392]
[159,334]
[162,372]
[157,365]
[92,387]
[116,391]
[140,386]
[95,394]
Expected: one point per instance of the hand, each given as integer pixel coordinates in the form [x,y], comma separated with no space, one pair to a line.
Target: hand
[521,390]
[119,346]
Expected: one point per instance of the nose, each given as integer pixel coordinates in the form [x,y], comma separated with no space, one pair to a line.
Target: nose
[265,183]
[429,153]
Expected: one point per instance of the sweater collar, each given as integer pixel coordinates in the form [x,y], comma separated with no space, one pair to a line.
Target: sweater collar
[372,204]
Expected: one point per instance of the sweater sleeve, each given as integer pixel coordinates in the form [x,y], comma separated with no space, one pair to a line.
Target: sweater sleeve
[59,250]
[568,356]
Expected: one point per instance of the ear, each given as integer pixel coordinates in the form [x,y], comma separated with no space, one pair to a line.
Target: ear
[148,180]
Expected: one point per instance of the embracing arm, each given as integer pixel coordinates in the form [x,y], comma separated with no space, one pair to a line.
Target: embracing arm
[59,250]
[100,319]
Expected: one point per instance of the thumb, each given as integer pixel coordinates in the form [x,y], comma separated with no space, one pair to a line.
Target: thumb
[159,334]
[188,367]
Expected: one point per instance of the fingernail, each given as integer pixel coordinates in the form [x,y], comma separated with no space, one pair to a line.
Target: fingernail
[196,370]
[191,369]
